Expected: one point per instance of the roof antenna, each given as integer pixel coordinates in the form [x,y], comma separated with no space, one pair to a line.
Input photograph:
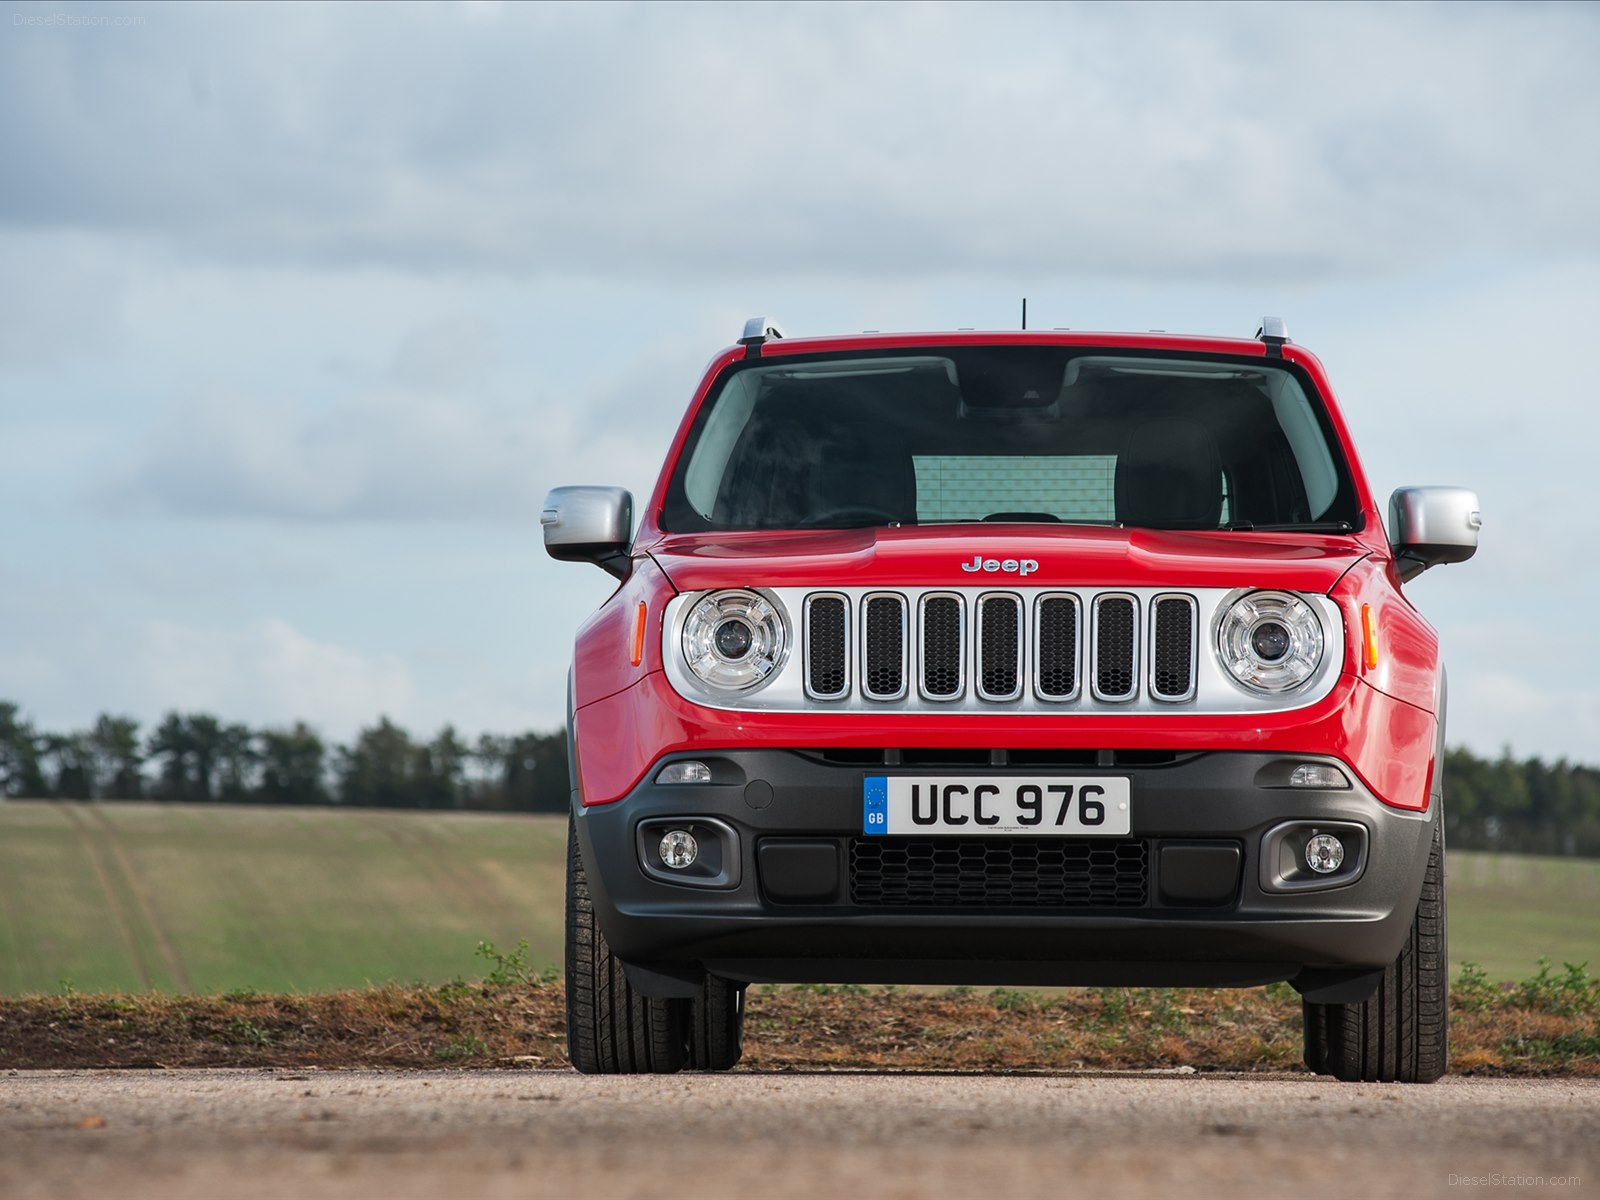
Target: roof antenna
[1024,312]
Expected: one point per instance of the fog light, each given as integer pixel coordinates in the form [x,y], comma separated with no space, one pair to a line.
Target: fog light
[1324,853]
[689,771]
[679,849]
[1318,775]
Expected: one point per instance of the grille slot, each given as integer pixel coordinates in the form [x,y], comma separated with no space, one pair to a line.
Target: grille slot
[1116,647]
[827,647]
[1056,648]
[947,872]
[1000,647]
[883,671]
[1172,647]
[943,646]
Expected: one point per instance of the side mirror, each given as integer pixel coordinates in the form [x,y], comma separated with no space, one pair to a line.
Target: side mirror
[1433,525]
[589,524]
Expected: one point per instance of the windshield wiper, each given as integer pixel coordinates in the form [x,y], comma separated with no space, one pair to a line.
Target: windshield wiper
[1290,527]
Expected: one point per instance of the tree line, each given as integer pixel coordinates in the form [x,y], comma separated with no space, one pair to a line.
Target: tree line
[1522,805]
[197,758]
[1526,806]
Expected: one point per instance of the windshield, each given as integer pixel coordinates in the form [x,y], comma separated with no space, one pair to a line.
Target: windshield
[1011,433]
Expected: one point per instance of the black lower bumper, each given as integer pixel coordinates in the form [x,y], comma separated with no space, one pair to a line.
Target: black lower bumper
[1208,888]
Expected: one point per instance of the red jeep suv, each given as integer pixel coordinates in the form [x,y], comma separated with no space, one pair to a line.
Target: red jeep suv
[1008,658]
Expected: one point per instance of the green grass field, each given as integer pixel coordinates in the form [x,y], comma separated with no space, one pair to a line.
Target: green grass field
[129,897]
[1508,910]
[126,897]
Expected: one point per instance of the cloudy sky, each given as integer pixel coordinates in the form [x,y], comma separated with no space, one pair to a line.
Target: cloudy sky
[303,308]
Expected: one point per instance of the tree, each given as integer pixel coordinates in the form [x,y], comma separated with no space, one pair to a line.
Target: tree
[73,760]
[293,763]
[206,746]
[190,749]
[20,774]
[119,765]
[488,771]
[536,772]
[380,769]
[441,770]
[237,760]
[171,749]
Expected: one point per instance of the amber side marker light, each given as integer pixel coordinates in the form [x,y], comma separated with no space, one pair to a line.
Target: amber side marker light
[1369,638]
[636,651]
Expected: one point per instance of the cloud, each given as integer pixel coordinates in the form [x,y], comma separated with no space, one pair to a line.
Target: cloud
[648,141]
[431,436]
[267,672]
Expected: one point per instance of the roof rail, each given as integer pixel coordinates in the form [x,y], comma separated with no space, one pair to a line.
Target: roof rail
[1274,332]
[756,331]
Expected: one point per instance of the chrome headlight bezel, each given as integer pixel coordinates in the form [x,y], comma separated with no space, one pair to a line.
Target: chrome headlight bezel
[737,611]
[1267,616]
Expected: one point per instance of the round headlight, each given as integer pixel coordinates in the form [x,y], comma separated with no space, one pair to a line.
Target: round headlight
[1270,641]
[734,640]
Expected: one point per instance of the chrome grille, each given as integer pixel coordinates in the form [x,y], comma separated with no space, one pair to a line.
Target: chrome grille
[1017,643]
[1116,647]
[883,670]
[1172,648]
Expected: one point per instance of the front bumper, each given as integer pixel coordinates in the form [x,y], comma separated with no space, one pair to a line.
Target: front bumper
[782,899]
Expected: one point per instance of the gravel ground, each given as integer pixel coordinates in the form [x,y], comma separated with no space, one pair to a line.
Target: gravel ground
[396,1135]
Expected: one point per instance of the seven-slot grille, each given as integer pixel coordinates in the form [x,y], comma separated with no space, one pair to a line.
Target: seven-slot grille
[1003,643]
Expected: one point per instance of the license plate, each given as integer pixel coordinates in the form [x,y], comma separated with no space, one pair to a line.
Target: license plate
[982,805]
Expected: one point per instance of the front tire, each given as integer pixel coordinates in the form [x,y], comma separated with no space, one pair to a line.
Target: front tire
[716,1025]
[1400,1033]
[611,1028]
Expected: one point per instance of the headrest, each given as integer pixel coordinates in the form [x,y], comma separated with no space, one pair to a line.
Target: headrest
[1169,474]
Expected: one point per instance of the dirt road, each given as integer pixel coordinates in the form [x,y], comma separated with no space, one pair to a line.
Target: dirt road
[396,1135]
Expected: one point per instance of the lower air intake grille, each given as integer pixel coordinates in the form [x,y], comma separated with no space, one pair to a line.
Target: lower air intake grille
[999,872]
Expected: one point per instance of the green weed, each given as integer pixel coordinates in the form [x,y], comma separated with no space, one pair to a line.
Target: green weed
[513,968]
[1570,994]
[1008,1000]
[466,1045]
[1473,990]
[241,1031]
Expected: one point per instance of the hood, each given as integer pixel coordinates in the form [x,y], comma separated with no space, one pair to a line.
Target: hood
[1030,555]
